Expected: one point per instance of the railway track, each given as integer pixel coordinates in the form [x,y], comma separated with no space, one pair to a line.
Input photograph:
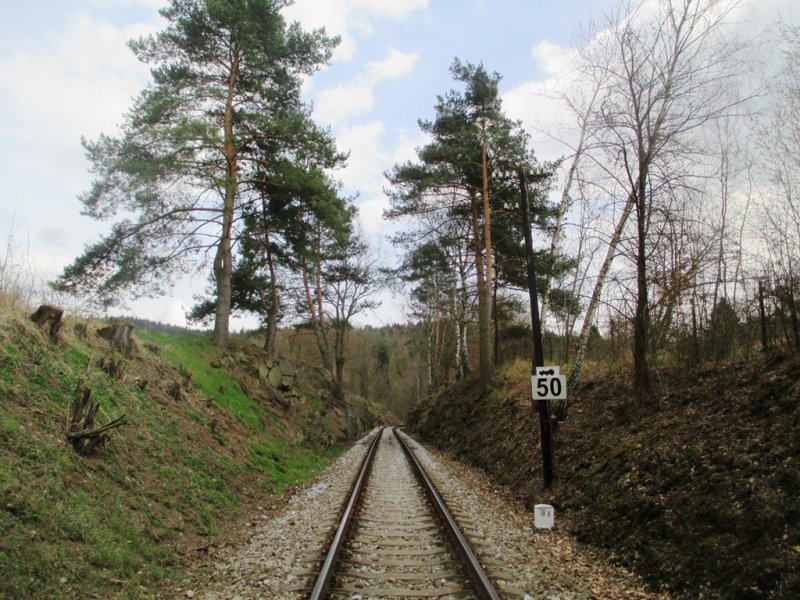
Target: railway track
[396,538]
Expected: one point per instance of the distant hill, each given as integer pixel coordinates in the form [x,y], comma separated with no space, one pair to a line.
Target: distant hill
[148,325]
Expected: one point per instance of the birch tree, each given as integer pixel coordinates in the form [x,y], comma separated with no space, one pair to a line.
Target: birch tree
[671,74]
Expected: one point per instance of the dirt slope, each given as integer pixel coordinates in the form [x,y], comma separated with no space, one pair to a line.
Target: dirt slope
[699,493]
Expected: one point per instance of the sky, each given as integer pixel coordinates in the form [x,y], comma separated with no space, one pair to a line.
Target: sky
[66,72]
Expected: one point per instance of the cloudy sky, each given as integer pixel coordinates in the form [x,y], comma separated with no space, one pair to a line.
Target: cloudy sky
[66,72]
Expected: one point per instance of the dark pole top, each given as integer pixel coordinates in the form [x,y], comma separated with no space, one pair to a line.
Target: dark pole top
[536,326]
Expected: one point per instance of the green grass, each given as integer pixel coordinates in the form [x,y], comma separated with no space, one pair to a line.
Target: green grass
[194,353]
[56,530]
[103,526]
[66,523]
[283,465]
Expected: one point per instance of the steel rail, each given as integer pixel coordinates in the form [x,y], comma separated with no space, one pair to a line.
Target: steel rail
[480,581]
[328,567]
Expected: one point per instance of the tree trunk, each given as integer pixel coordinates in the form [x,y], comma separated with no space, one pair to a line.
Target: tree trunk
[484,342]
[438,345]
[562,209]
[118,334]
[793,316]
[641,320]
[462,354]
[223,261]
[81,430]
[487,240]
[52,317]
[316,325]
[323,326]
[429,358]
[762,316]
[340,345]
[695,337]
[594,302]
[457,336]
[274,305]
[495,328]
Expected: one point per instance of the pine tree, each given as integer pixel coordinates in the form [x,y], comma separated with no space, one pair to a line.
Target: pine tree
[226,78]
[458,176]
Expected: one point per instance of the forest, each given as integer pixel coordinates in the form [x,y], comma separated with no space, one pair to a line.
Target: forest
[669,235]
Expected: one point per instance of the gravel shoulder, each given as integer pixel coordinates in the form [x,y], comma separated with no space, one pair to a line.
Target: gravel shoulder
[535,564]
[278,557]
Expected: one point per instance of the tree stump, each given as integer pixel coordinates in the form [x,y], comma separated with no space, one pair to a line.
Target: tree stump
[52,316]
[175,392]
[118,333]
[112,367]
[81,430]
[81,330]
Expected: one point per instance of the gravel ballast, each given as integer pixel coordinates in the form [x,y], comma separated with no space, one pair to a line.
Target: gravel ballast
[279,557]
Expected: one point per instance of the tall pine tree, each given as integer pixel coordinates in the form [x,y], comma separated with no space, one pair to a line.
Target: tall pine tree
[226,74]
[458,175]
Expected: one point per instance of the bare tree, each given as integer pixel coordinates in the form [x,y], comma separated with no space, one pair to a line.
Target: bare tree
[779,226]
[583,105]
[670,74]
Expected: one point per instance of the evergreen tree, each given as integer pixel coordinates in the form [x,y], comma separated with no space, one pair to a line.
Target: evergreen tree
[226,78]
[459,176]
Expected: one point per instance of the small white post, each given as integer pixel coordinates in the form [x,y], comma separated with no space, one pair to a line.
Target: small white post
[543,516]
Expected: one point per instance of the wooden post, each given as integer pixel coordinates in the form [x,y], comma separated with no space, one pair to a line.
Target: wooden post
[537,358]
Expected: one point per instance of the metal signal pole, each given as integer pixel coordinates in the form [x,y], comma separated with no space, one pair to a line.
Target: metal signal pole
[545,424]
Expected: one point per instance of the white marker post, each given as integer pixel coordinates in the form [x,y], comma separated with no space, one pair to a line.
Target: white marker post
[547,384]
[543,516]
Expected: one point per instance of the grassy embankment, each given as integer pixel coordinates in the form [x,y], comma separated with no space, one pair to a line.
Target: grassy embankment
[165,485]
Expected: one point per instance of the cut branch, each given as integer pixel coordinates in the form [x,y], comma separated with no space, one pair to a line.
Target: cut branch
[81,430]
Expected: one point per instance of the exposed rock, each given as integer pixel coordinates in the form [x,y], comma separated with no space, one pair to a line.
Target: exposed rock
[287,381]
[275,377]
[263,371]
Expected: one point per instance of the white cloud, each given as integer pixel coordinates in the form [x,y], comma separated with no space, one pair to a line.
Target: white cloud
[536,102]
[349,18]
[82,82]
[152,4]
[553,59]
[76,82]
[406,147]
[370,214]
[368,159]
[357,97]
[340,103]
[395,65]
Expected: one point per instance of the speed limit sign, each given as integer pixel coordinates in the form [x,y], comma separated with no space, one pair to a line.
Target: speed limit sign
[548,384]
